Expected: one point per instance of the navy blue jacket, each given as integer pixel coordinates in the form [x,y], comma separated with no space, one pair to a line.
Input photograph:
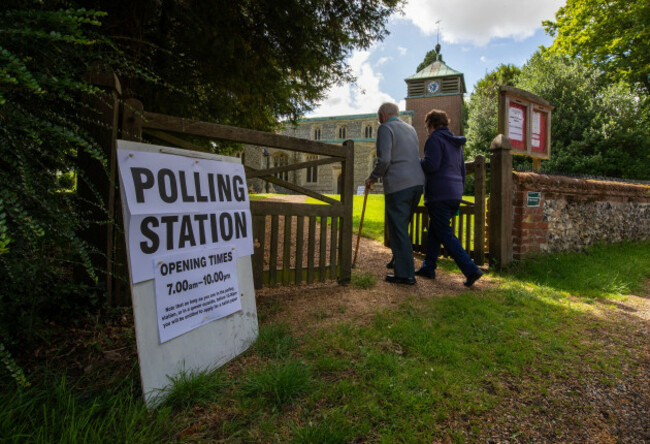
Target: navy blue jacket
[444,166]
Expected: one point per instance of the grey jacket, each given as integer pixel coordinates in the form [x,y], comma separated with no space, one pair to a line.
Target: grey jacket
[398,157]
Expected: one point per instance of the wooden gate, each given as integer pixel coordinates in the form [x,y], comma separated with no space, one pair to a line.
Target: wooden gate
[315,242]
[470,223]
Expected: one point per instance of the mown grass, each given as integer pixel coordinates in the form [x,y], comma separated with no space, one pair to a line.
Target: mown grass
[407,376]
[600,271]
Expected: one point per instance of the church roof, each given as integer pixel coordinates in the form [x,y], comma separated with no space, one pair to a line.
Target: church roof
[436,69]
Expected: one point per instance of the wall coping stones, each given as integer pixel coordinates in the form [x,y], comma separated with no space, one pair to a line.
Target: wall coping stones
[589,189]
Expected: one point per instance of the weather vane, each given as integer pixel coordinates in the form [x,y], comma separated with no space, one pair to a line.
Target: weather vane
[438,42]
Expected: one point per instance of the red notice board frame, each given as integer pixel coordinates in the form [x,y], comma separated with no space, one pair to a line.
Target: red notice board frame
[525,119]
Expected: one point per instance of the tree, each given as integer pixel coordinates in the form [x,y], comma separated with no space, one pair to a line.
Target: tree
[612,35]
[245,63]
[483,109]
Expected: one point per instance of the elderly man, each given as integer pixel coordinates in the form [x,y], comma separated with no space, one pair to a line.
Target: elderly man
[398,163]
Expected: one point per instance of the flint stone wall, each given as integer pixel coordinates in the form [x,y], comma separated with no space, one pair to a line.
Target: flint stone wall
[576,213]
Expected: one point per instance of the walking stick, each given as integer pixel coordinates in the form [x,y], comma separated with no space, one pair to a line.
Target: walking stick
[363,212]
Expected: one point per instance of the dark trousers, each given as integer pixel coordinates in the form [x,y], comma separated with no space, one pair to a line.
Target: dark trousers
[400,206]
[439,232]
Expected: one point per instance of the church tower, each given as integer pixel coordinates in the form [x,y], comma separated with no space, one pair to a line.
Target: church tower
[435,86]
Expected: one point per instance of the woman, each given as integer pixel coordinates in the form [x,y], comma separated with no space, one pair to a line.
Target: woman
[444,167]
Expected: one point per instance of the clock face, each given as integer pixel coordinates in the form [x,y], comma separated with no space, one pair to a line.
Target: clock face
[433,86]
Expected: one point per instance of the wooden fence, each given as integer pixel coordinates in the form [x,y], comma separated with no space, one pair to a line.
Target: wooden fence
[470,223]
[293,243]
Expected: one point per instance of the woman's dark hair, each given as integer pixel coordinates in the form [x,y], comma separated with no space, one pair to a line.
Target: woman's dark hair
[436,119]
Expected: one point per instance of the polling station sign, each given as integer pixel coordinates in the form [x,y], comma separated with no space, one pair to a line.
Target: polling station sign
[188,235]
[179,204]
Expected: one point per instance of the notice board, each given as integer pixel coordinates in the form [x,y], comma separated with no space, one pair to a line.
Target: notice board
[188,233]
[526,119]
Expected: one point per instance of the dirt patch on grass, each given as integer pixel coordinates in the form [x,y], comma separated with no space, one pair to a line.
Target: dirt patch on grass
[322,304]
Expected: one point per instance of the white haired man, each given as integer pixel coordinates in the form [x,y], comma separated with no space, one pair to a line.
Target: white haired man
[398,163]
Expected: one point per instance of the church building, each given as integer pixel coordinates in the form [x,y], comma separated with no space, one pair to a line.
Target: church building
[435,86]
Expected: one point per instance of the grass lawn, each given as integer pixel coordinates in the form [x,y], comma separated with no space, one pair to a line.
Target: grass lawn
[538,355]
[431,369]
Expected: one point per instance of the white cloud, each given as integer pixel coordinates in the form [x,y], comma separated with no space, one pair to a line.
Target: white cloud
[362,98]
[483,59]
[402,50]
[383,60]
[479,21]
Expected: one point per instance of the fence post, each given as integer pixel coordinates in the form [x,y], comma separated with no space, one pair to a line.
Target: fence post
[479,208]
[500,226]
[132,120]
[347,199]
[101,124]
[130,129]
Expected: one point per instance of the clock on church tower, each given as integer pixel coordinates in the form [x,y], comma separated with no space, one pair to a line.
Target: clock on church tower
[436,86]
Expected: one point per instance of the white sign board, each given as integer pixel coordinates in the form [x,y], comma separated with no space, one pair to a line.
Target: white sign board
[361,190]
[189,238]
[194,288]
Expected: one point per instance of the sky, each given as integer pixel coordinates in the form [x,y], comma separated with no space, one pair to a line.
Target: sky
[476,36]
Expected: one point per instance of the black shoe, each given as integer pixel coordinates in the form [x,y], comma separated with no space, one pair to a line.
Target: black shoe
[391,264]
[426,273]
[473,278]
[399,280]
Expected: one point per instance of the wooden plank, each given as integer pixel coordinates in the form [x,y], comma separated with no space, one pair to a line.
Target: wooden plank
[418,227]
[425,230]
[132,120]
[460,227]
[310,249]
[333,245]
[479,210]
[259,233]
[346,224]
[322,260]
[260,207]
[454,224]
[300,222]
[273,258]
[286,256]
[175,141]
[241,135]
[468,232]
[301,190]
[252,173]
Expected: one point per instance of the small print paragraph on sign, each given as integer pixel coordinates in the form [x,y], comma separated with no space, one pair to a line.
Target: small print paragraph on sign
[195,288]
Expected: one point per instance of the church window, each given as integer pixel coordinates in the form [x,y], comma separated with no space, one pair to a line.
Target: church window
[312,172]
[281,159]
[342,132]
[367,132]
[317,133]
